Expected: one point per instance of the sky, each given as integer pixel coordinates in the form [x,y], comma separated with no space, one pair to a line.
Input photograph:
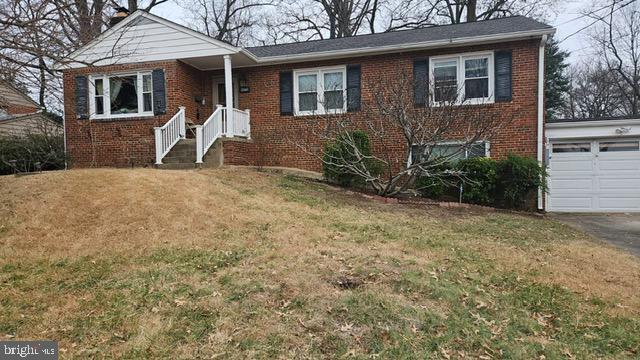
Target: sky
[566,19]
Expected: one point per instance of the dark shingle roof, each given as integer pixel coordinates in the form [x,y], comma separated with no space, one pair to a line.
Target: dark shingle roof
[433,33]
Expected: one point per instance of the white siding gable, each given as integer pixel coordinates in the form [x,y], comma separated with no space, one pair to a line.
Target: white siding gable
[144,37]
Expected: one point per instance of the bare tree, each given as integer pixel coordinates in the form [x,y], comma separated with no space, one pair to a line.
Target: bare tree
[618,41]
[459,11]
[593,92]
[390,118]
[322,19]
[231,21]
[36,34]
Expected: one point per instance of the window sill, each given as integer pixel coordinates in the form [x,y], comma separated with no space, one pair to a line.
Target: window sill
[312,114]
[467,103]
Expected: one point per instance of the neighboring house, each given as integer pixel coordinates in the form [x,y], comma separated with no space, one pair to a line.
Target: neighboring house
[150,76]
[19,115]
[594,165]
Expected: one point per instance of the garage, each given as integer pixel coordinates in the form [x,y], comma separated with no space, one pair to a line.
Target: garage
[594,165]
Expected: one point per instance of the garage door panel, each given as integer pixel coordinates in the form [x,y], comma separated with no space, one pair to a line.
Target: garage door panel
[617,164]
[606,203]
[571,184]
[567,164]
[571,203]
[618,184]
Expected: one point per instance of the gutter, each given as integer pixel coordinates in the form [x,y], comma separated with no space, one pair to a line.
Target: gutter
[540,136]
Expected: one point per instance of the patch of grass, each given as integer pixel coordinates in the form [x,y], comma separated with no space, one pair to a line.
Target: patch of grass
[222,268]
[302,191]
[191,260]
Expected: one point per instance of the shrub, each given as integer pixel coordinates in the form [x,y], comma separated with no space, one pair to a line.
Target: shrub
[435,188]
[30,150]
[518,178]
[337,153]
[480,176]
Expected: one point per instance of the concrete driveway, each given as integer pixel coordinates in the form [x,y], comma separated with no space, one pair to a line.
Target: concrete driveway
[621,230]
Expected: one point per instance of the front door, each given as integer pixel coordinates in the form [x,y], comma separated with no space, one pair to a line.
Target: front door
[222,95]
[219,92]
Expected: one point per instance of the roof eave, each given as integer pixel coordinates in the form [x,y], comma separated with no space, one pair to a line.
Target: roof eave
[325,55]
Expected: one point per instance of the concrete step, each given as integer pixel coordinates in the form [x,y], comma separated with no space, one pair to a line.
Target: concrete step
[183,156]
[179,160]
[178,166]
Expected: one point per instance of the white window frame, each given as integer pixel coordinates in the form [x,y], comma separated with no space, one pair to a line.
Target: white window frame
[106,97]
[487,148]
[460,76]
[319,72]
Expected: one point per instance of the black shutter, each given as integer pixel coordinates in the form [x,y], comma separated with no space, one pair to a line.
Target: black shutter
[420,82]
[503,84]
[353,88]
[82,97]
[159,92]
[286,93]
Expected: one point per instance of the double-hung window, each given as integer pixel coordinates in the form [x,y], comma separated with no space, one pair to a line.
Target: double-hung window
[320,91]
[122,95]
[462,79]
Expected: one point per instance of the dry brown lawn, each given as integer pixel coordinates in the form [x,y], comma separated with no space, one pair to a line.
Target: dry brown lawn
[233,263]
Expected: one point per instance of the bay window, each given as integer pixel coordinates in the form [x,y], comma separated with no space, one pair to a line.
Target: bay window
[319,91]
[122,95]
[462,79]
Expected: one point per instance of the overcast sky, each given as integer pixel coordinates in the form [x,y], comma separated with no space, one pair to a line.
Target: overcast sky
[565,22]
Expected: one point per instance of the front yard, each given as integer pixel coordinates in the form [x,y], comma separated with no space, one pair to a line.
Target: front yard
[233,263]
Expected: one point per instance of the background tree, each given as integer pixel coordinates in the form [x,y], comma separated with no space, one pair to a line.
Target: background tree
[593,93]
[232,21]
[459,11]
[556,80]
[617,39]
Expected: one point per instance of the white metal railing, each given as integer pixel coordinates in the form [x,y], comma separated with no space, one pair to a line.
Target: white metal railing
[208,133]
[169,134]
[241,120]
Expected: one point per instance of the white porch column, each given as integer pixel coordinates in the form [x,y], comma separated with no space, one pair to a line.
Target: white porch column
[228,90]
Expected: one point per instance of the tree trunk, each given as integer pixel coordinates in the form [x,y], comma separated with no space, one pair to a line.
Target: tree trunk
[471,11]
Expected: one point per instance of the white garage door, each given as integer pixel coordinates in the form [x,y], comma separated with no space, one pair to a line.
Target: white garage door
[595,176]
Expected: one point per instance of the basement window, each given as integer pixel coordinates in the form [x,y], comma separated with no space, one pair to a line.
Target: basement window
[452,150]
[122,96]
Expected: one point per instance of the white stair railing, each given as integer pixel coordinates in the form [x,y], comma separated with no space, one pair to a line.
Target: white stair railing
[169,134]
[241,126]
[208,133]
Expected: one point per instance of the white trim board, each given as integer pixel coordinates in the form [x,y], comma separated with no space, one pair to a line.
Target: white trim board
[593,129]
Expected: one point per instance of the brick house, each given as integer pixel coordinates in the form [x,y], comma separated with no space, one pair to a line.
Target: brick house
[133,95]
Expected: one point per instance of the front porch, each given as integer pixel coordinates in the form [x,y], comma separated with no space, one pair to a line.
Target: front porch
[223,121]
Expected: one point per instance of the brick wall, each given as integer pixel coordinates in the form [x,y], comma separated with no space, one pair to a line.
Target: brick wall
[115,142]
[273,134]
[130,141]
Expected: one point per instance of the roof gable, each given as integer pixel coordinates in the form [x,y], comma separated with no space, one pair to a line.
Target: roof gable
[9,96]
[143,37]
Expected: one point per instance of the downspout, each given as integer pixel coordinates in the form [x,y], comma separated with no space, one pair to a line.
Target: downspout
[540,137]
[64,127]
